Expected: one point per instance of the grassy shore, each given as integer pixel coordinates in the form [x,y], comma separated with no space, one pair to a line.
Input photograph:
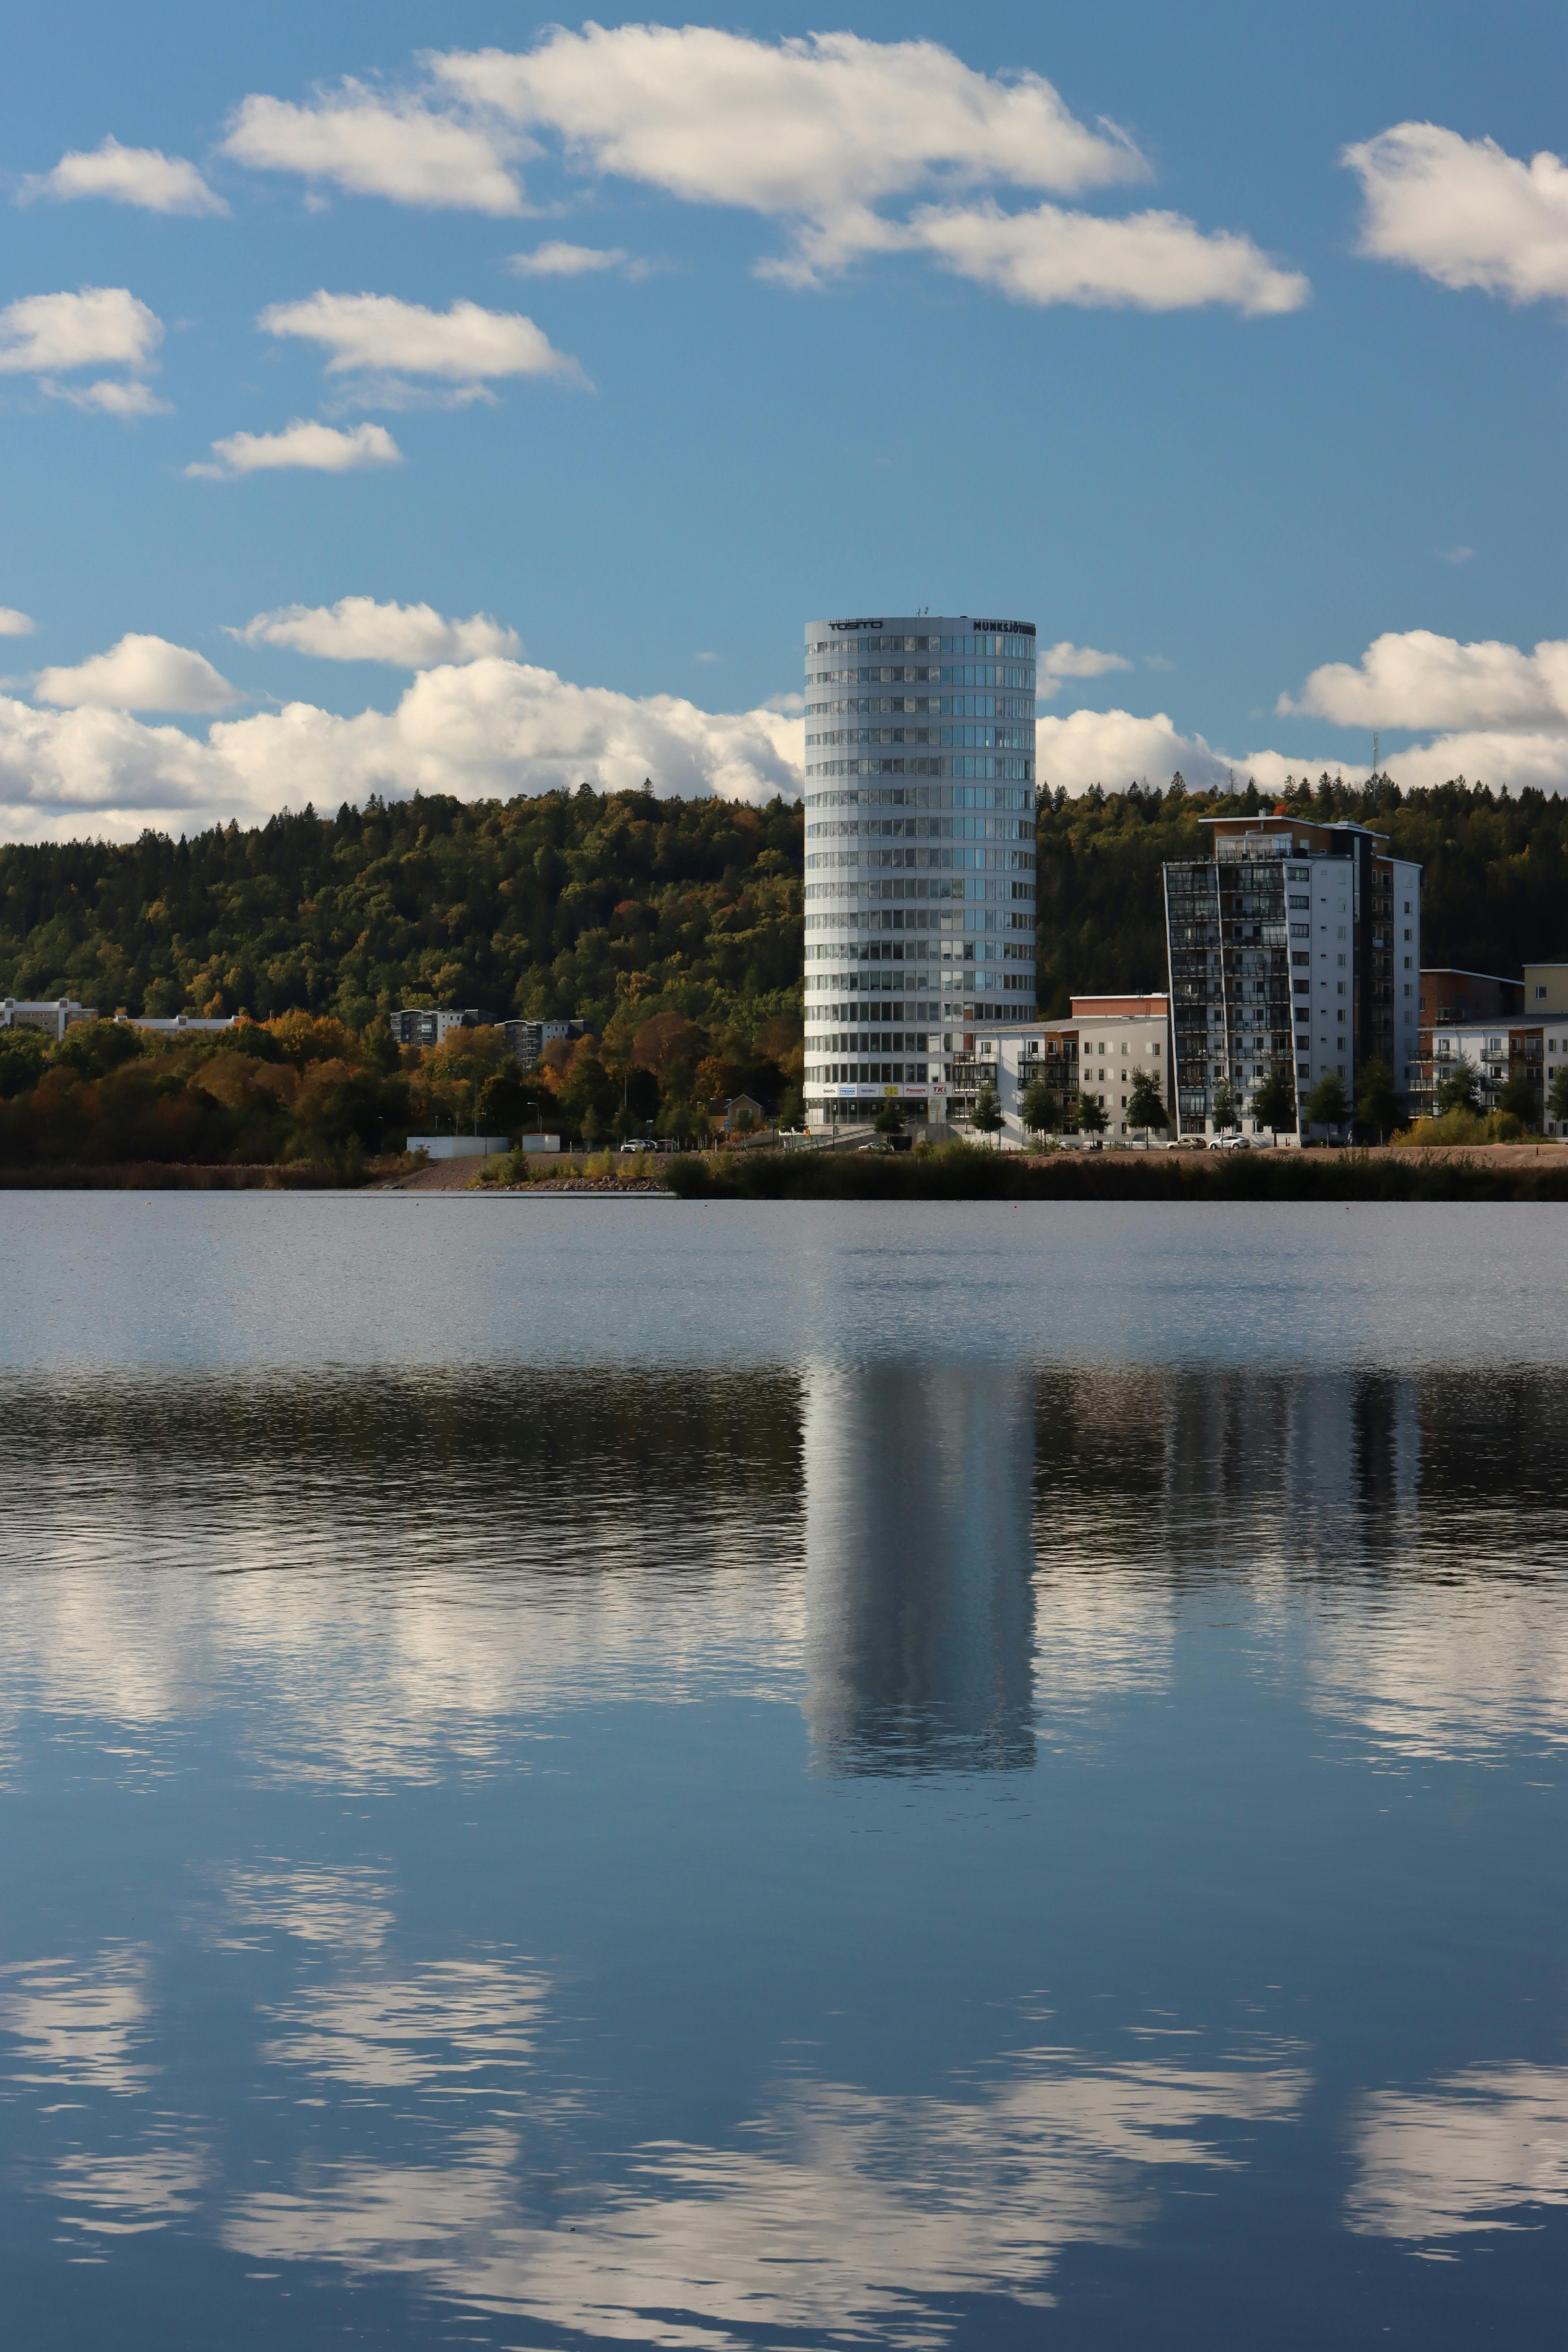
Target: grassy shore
[962,1171]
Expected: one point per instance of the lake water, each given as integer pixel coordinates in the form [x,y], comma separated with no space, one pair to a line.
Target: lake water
[577,1772]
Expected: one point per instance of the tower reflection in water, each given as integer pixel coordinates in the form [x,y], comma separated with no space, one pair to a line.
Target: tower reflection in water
[919,1593]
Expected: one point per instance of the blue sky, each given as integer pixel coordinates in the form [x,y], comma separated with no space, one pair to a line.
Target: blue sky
[893,326]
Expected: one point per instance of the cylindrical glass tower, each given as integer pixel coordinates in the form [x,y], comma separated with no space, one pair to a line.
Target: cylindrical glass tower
[920,858]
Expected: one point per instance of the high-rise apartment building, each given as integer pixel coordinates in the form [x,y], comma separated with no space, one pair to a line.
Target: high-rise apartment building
[920,855]
[1295,945]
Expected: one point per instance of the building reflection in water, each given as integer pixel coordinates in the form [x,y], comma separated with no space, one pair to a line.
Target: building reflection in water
[919,1594]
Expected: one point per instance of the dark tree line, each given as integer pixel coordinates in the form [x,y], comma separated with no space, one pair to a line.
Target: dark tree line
[626,906]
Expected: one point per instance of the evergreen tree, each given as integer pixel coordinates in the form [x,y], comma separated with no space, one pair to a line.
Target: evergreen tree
[987,1112]
[1459,1089]
[1040,1109]
[1376,1103]
[1274,1101]
[1146,1104]
[1326,1105]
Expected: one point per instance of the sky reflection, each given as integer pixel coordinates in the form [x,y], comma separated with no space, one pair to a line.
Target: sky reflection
[816,1853]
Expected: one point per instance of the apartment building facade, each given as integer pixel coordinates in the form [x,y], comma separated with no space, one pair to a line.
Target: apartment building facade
[920,857]
[1296,946]
[526,1040]
[424,1027]
[1097,1053]
[1461,1012]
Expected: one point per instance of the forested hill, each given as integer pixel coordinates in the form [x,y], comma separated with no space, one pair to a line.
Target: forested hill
[560,905]
[573,904]
[1494,885]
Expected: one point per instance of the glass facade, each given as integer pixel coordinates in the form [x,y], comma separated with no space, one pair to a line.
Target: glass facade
[920,858]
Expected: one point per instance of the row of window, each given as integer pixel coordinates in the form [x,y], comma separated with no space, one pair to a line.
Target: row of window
[962,765]
[921,796]
[924,861]
[971,739]
[924,706]
[864,1074]
[921,828]
[1013,678]
[1007,644]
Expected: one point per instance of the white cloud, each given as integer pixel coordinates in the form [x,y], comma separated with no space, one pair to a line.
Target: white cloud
[1149,261]
[318,449]
[374,147]
[492,727]
[1059,661]
[1112,747]
[1454,555]
[14,623]
[820,131]
[356,629]
[376,332]
[1415,678]
[143,176]
[803,127]
[99,326]
[139,673]
[559,260]
[111,396]
[1464,211]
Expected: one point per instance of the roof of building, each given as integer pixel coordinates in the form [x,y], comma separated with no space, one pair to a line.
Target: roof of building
[1461,971]
[1146,1004]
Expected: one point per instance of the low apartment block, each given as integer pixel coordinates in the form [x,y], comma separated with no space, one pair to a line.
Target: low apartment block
[1501,1027]
[1098,1053]
[53,1015]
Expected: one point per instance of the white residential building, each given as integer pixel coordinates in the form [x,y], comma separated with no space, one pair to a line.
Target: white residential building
[1295,946]
[417,1025]
[1098,1053]
[920,855]
[53,1015]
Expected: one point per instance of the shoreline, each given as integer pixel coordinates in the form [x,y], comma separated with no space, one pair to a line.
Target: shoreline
[1520,1171]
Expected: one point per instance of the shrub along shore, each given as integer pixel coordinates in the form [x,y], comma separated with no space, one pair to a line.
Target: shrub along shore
[966,1172]
[954,1172]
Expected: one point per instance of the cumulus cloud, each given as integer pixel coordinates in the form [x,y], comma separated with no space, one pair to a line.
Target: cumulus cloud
[110,396]
[378,334]
[356,629]
[1149,261]
[492,727]
[823,133]
[14,623]
[1114,748]
[558,260]
[1464,211]
[1059,661]
[139,673]
[373,146]
[1415,678]
[98,326]
[318,449]
[801,127]
[143,176]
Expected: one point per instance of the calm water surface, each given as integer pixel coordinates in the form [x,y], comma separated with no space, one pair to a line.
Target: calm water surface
[583,1772]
